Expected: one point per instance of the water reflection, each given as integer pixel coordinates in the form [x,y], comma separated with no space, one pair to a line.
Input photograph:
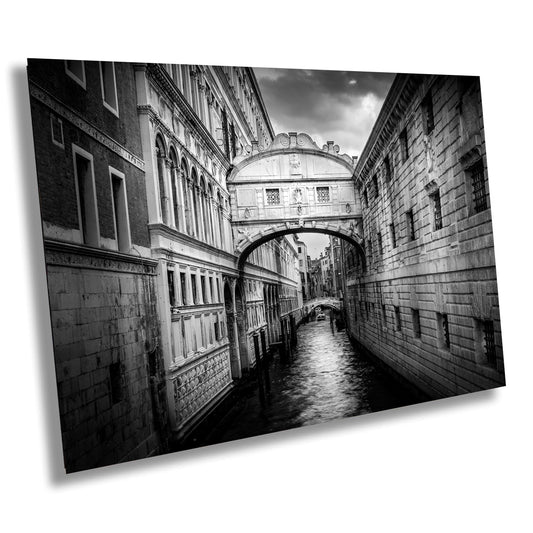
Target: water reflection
[326,380]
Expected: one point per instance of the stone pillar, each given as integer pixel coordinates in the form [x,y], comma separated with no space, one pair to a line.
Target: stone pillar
[200,218]
[236,360]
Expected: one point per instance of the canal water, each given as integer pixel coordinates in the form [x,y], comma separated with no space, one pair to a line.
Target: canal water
[325,380]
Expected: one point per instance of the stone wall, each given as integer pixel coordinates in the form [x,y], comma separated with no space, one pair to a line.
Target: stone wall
[426,300]
[106,339]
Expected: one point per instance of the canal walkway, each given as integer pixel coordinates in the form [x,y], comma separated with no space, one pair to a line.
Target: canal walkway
[326,380]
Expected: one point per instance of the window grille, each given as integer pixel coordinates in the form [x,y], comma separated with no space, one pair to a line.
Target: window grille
[416,322]
[272,196]
[437,210]
[410,225]
[380,244]
[322,194]
[387,170]
[490,346]
[376,186]
[398,318]
[445,330]
[479,192]
[393,235]
[429,118]
[404,145]
[365,196]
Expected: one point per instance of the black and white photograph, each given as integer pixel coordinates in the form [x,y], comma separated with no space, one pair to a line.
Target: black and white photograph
[214,275]
[266,267]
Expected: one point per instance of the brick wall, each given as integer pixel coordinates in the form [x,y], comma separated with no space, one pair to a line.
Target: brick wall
[442,272]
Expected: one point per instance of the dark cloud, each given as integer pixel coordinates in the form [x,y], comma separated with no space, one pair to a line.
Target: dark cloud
[329,105]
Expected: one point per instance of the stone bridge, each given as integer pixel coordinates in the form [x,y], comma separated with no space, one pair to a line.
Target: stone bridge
[332,303]
[293,186]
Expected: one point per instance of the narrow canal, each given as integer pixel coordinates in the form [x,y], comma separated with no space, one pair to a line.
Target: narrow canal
[325,380]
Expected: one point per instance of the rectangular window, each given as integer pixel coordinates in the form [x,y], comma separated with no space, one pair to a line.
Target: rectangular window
[212,287]
[56,126]
[375,185]
[109,86]
[76,71]
[416,322]
[427,114]
[120,210]
[203,296]
[410,225]
[218,291]
[365,197]
[115,383]
[398,318]
[380,244]
[171,287]
[437,211]
[86,192]
[404,145]
[489,344]
[444,330]
[387,169]
[194,289]
[322,194]
[392,235]
[272,196]
[479,190]
[183,283]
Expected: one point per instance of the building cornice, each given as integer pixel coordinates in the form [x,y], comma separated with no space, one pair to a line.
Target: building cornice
[394,107]
[157,74]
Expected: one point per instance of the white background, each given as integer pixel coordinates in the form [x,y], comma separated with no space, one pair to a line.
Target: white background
[463,464]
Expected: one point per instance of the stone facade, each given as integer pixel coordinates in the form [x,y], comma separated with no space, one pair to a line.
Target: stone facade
[101,279]
[424,298]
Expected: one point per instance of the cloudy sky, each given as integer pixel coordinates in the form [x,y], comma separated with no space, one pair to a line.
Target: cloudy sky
[339,106]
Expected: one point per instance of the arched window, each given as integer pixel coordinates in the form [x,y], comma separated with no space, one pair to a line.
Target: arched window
[210,212]
[220,220]
[174,181]
[163,196]
[186,197]
[195,203]
[205,205]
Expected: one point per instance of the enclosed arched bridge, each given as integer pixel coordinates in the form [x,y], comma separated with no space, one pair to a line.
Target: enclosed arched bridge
[293,186]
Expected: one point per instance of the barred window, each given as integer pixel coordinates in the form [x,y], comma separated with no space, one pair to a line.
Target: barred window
[479,190]
[272,196]
[380,244]
[416,322]
[437,211]
[398,318]
[365,196]
[404,145]
[322,194]
[488,341]
[409,218]
[392,235]
[375,185]
[387,169]
[427,112]
[444,330]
